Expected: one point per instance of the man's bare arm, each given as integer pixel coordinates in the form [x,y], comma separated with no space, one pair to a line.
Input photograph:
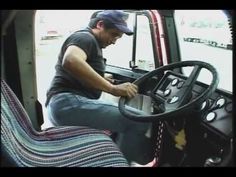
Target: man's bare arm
[74,61]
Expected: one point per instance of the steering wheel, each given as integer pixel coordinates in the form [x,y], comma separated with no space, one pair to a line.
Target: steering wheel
[180,102]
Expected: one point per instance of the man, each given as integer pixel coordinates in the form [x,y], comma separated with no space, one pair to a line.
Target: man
[73,97]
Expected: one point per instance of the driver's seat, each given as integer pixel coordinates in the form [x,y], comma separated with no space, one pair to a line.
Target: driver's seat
[22,145]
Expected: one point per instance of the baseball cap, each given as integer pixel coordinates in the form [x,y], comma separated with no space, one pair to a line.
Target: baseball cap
[117,18]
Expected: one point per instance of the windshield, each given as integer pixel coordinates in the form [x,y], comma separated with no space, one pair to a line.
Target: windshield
[205,35]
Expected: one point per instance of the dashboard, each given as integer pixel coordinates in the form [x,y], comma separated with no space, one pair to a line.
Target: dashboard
[212,140]
[215,115]
[216,111]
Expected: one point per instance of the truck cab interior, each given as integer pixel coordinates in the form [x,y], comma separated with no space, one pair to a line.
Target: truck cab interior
[181,60]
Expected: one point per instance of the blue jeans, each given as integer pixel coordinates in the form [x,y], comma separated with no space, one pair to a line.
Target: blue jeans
[74,110]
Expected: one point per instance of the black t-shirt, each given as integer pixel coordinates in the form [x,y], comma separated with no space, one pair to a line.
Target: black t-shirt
[63,81]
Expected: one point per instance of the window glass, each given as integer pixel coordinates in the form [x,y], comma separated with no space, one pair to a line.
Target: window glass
[120,53]
[205,35]
[144,49]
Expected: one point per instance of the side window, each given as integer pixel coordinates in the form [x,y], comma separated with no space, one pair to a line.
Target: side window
[144,49]
[121,53]
[205,35]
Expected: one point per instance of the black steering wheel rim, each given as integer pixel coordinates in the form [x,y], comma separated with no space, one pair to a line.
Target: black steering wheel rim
[164,116]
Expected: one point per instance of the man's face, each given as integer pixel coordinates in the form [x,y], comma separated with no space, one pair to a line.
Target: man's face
[108,36]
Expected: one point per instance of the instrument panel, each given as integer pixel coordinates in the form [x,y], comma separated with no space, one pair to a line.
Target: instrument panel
[215,134]
[216,111]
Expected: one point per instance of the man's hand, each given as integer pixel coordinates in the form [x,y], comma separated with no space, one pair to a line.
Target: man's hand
[126,89]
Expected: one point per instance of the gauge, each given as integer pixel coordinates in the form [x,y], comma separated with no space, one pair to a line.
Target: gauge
[211,116]
[174,82]
[228,107]
[172,100]
[204,104]
[167,92]
[180,84]
[220,102]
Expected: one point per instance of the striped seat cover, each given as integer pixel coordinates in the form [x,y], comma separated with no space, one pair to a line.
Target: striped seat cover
[55,146]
